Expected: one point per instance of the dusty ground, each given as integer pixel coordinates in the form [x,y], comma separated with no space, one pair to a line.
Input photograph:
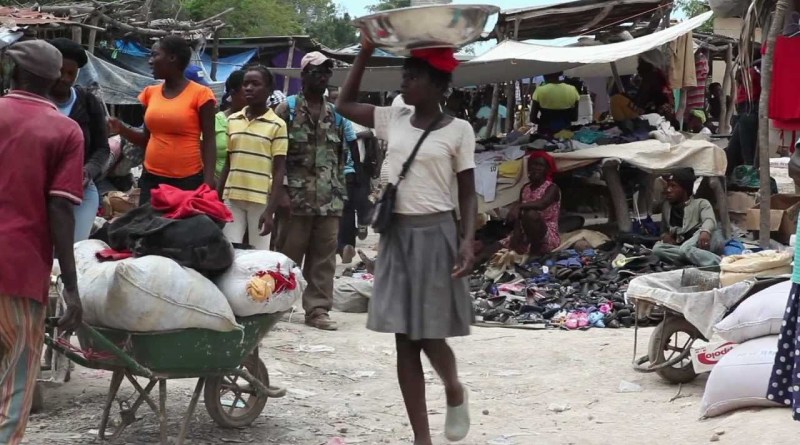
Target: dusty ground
[517,380]
[342,384]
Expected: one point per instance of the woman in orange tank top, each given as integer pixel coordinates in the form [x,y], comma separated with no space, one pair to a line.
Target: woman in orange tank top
[178,133]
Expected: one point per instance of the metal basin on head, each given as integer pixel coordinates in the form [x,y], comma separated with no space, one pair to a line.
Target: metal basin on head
[405,29]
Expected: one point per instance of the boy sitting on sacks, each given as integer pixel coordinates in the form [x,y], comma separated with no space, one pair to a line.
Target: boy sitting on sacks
[689,227]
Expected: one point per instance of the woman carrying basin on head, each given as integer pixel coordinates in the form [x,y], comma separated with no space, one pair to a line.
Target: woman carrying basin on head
[420,293]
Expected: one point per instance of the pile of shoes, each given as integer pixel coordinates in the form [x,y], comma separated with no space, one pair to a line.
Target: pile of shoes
[568,290]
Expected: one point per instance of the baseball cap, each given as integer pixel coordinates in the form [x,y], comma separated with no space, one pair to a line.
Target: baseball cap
[37,57]
[315,58]
[196,74]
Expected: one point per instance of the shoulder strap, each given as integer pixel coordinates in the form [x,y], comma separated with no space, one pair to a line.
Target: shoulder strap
[407,164]
[291,102]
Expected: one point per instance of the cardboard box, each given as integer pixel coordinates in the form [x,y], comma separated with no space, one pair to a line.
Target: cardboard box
[741,202]
[706,357]
[782,217]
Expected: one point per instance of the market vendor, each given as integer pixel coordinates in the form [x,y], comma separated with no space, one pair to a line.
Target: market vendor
[696,122]
[535,215]
[689,228]
[654,94]
[555,104]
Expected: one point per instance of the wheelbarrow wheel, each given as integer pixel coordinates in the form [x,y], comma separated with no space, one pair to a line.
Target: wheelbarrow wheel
[671,339]
[233,402]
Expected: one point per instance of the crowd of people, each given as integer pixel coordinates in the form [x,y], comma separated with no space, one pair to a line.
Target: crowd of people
[297,173]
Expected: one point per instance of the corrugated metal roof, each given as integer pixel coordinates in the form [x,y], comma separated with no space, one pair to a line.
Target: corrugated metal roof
[29,17]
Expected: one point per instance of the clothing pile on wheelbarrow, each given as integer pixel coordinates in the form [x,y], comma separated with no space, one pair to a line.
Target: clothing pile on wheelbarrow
[573,290]
[168,266]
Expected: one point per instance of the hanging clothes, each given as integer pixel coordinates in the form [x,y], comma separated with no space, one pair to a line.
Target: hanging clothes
[682,72]
[784,108]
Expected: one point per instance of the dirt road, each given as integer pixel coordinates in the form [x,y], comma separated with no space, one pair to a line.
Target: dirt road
[527,387]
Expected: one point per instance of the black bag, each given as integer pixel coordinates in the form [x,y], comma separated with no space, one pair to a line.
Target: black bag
[384,208]
[196,242]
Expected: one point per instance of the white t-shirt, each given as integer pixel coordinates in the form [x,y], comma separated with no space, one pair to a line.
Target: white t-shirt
[429,184]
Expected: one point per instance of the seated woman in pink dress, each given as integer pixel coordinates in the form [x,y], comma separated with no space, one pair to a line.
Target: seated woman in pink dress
[535,216]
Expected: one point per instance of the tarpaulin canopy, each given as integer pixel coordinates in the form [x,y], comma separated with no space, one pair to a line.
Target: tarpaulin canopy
[118,86]
[516,60]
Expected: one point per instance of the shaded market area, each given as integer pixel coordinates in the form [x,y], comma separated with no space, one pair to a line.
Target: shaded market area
[602,194]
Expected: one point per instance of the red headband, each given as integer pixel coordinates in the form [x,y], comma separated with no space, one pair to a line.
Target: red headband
[443,59]
[551,163]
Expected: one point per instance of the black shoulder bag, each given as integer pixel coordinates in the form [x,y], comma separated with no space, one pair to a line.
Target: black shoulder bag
[384,208]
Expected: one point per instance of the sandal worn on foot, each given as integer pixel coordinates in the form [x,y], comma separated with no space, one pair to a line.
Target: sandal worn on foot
[456,425]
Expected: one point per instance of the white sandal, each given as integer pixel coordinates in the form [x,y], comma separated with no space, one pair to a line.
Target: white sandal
[456,425]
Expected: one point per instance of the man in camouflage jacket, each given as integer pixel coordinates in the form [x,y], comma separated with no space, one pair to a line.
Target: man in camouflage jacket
[316,187]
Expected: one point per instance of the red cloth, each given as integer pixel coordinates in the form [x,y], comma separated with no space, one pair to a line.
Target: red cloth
[551,163]
[443,59]
[784,106]
[112,255]
[41,153]
[755,88]
[182,204]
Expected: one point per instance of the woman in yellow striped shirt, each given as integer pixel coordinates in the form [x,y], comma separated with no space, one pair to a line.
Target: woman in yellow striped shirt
[256,162]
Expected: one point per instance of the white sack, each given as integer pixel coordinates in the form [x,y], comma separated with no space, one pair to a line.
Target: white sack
[701,309]
[94,280]
[741,378]
[246,265]
[767,263]
[153,293]
[759,315]
[352,295]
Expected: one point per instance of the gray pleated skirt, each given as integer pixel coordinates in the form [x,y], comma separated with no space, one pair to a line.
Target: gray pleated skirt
[414,293]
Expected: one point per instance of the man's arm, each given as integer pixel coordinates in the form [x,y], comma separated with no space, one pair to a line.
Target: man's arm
[708,221]
[62,227]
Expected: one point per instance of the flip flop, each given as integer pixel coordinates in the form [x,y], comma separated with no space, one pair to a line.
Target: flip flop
[456,424]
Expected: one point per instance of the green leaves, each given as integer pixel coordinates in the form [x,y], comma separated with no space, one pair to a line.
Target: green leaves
[321,19]
[385,5]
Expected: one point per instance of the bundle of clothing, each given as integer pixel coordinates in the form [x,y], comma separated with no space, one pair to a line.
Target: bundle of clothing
[185,226]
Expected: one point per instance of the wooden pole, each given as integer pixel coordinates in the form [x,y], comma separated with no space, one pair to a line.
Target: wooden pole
[490,126]
[289,62]
[763,120]
[617,78]
[215,57]
[93,33]
[724,119]
[77,34]
[510,106]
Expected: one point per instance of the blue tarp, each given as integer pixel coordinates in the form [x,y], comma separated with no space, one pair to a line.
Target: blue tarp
[132,56]
[227,65]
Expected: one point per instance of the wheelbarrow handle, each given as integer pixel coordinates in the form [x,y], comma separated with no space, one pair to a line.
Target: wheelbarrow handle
[103,342]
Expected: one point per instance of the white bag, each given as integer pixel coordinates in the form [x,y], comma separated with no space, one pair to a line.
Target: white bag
[352,295]
[94,280]
[153,294]
[767,263]
[759,315]
[248,264]
[741,378]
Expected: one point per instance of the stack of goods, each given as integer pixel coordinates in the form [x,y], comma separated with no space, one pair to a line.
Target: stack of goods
[741,378]
[569,289]
[154,293]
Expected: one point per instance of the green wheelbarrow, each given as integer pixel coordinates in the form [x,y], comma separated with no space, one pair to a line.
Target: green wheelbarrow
[233,379]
